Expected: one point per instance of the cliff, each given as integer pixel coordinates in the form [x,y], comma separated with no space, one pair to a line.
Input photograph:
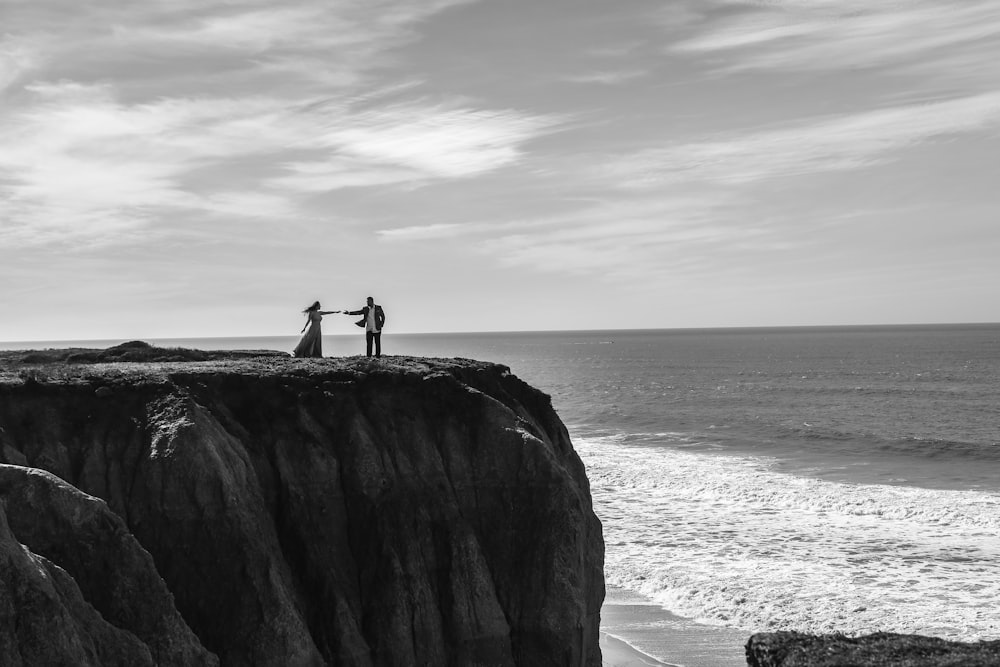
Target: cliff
[272,511]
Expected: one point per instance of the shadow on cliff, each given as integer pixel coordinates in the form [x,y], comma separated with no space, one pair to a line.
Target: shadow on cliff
[404,512]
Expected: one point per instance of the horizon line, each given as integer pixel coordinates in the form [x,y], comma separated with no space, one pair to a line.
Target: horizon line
[757,327]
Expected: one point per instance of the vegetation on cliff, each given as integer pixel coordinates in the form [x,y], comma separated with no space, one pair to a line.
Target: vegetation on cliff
[132,351]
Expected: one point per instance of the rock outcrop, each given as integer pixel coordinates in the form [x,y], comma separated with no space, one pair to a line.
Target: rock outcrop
[102,604]
[794,649]
[292,512]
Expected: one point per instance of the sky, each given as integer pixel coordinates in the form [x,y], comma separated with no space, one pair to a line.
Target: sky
[181,168]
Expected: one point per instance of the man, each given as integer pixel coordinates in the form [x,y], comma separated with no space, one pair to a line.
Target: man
[372,320]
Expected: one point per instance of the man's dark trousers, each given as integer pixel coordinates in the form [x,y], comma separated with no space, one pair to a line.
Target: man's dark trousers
[373,336]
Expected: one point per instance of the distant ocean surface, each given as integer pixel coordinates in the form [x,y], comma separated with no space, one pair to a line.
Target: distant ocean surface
[816,479]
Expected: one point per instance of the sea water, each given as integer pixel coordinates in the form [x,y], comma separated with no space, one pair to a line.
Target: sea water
[815,479]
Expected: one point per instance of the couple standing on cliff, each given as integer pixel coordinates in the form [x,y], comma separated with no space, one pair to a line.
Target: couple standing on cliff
[311,345]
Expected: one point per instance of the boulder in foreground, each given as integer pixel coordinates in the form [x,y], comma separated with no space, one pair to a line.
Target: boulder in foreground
[794,649]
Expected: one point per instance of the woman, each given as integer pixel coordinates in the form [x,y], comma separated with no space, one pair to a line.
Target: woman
[311,344]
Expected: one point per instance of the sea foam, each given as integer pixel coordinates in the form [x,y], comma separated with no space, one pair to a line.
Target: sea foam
[728,540]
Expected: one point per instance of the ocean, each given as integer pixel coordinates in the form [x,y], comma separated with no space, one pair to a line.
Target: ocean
[817,479]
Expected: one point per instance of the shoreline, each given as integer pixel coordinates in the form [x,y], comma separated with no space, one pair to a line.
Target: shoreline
[616,652]
[637,632]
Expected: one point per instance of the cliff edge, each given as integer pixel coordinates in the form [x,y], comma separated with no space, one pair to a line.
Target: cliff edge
[273,511]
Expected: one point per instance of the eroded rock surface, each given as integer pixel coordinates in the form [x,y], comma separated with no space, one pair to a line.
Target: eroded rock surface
[102,604]
[304,512]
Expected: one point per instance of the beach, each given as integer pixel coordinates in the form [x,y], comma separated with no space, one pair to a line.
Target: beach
[637,632]
[617,653]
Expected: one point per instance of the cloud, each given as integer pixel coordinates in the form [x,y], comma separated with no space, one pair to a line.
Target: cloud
[80,148]
[337,172]
[438,140]
[411,143]
[827,145]
[220,42]
[246,204]
[624,241]
[428,232]
[616,239]
[607,77]
[17,56]
[248,110]
[305,27]
[79,160]
[833,36]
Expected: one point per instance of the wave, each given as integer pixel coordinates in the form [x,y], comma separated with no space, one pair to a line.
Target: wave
[729,540]
[858,443]
[935,448]
[903,445]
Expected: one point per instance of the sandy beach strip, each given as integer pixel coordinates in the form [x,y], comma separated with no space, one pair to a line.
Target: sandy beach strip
[636,632]
[617,652]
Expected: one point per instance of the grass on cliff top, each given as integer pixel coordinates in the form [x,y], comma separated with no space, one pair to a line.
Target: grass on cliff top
[141,358]
[133,351]
[137,361]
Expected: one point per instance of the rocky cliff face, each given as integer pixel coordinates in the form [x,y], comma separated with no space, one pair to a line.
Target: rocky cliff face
[292,512]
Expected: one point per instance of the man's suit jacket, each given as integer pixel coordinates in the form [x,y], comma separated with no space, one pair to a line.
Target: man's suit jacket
[379,316]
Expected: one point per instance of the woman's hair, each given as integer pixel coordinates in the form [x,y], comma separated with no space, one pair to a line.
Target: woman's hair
[313,307]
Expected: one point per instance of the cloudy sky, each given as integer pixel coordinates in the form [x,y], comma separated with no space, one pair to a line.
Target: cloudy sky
[209,168]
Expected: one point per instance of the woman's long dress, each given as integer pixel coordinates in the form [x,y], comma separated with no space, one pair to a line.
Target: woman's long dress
[311,344]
